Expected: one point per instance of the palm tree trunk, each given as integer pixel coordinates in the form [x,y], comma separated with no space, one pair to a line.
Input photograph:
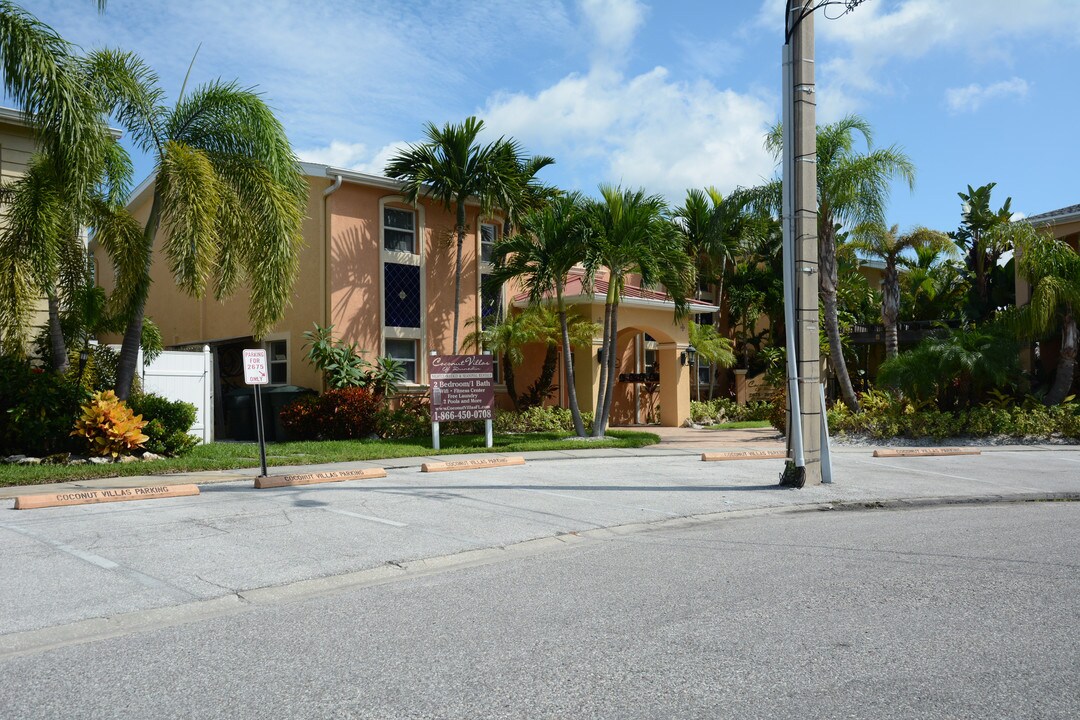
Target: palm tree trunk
[457,267]
[57,347]
[601,391]
[129,349]
[1063,379]
[568,363]
[828,282]
[890,309]
[508,380]
[613,365]
[540,389]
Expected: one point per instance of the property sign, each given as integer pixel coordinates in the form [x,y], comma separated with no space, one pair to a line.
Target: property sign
[462,387]
[255,367]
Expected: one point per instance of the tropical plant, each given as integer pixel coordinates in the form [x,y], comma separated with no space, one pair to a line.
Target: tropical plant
[1052,268]
[551,241]
[227,189]
[875,240]
[109,426]
[712,348]
[853,188]
[932,286]
[985,235]
[453,168]
[43,75]
[167,423]
[955,369]
[343,365]
[632,235]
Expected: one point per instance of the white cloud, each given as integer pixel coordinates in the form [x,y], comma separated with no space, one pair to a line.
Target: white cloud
[614,23]
[878,33]
[647,130]
[972,97]
[352,156]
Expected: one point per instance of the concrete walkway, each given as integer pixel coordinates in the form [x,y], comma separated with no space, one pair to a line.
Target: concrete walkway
[681,440]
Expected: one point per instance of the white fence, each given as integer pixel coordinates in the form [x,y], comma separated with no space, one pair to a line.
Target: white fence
[187,376]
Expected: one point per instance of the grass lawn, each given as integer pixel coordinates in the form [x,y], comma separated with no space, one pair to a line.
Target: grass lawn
[230,456]
[742,425]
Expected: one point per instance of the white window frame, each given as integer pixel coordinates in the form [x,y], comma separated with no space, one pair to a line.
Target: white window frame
[416,356]
[269,340]
[383,228]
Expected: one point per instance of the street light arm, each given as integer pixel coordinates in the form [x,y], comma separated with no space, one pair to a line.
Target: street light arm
[811,7]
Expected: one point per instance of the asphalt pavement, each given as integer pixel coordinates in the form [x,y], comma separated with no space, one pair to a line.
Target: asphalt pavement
[943,612]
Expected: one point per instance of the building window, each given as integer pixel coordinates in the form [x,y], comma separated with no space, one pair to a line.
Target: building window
[404,351]
[488,235]
[401,287]
[277,357]
[490,303]
[399,230]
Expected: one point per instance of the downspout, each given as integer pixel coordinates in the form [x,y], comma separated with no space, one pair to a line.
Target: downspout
[326,251]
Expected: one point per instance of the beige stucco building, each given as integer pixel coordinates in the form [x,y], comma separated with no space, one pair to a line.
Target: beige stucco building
[382,273]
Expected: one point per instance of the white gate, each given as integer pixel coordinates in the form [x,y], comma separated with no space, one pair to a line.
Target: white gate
[187,376]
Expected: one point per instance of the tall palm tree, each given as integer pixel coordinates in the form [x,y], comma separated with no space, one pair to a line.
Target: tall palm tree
[227,188]
[452,167]
[853,188]
[550,242]
[1053,270]
[875,240]
[632,234]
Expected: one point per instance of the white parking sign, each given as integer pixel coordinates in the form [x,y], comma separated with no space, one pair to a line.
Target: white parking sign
[255,370]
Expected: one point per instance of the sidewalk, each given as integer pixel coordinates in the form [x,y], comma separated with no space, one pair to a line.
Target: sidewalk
[687,442]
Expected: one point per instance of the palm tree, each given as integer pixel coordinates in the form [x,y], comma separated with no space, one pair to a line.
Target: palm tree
[1053,270]
[44,77]
[453,168]
[853,188]
[504,339]
[875,240]
[632,234]
[227,187]
[551,241]
[932,285]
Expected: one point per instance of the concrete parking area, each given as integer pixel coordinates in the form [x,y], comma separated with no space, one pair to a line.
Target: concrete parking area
[74,564]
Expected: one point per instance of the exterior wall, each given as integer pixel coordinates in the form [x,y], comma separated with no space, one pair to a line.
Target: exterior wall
[185,320]
[341,282]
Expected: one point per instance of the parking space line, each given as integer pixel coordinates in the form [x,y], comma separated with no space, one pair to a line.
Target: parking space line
[372,518]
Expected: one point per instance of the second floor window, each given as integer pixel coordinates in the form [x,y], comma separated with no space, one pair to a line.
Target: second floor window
[488,235]
[399,230]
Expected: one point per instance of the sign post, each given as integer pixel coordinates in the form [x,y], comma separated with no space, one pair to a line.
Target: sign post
[462,388]
[256,373]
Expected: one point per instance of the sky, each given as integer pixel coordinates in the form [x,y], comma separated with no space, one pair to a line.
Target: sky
[660,95]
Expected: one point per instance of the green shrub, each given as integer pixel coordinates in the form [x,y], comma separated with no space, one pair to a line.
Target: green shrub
[550,418]
[37,409]
[409,418]
[168,422]
[720,410]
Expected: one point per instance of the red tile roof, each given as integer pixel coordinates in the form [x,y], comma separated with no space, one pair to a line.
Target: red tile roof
[575,291]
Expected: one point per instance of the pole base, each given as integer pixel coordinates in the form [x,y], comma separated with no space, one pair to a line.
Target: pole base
[793,476]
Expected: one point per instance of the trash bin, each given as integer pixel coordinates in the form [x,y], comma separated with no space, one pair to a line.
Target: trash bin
[274,401]
[240,414]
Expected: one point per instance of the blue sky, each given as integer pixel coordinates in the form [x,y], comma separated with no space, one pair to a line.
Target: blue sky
[663,95]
